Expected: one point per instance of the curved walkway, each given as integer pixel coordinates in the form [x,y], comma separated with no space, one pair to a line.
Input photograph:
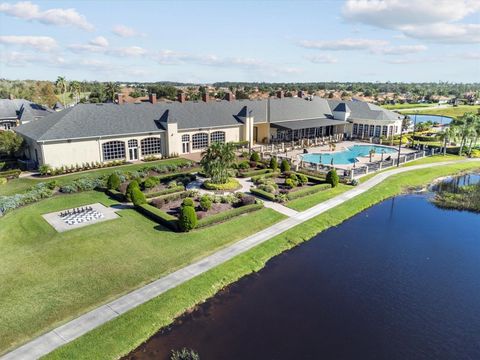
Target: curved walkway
[89,321]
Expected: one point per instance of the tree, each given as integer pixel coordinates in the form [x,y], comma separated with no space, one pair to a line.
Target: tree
[62,86]
[10,143]
[188,218]
[273,163]
[217,161]
[75,88]
[284,166]
[111,90]
[131,186]
[332,178]
[113,182]
[138,198]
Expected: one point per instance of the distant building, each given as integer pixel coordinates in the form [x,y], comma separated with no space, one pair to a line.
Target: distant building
[107,132]
[14,112]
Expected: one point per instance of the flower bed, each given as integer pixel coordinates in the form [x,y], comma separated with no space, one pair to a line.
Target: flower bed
[10,174]
[286,186]
[216,209]
[232,184]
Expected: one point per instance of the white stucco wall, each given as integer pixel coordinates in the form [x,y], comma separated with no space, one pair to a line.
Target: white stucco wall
[232,134]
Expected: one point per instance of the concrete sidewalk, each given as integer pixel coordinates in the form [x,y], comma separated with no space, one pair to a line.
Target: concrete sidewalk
[89,321]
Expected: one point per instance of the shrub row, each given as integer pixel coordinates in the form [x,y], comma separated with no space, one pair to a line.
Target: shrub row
[34,194]
[307,191]
[116,195]
[247,174]
[158,216]
[51,171]
[232,184]
[223,216]
[265,176]
[263,194]
[10,174]
[165,192]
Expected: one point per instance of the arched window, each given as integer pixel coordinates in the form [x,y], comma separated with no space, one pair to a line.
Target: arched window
[218,137]
[200,141]
[185,138]
[151,146]
[113,150]
[132,143]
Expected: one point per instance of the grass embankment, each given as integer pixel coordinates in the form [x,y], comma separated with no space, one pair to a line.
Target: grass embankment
[121,335]
[453,112]
[49,277]
[407,106]
[16,186]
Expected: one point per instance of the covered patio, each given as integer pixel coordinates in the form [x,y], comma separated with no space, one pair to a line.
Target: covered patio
[296,130]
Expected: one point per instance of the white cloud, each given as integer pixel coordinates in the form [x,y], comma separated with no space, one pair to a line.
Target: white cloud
[433,20]
[343,44]
[128,51]
[41,43]
[471,56]
[402,49]
[125,31]
[322,59]
[99,41]
[20,59]
[56,16]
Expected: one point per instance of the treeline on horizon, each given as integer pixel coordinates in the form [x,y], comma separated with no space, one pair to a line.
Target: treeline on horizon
[48,92]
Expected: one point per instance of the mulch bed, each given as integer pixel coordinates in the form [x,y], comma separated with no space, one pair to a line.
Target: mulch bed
[173,208]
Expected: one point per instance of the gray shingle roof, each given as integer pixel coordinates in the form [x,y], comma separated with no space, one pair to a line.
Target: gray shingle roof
[18,108]
[94,120]
[342,107]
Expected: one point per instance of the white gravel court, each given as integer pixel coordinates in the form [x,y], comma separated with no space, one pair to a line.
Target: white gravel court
[71,219]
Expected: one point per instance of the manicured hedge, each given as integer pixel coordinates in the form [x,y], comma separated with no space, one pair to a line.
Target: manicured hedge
[10,174]
[263,194]
[170,177]
[223,216]
[232,184]
[117,195]
[307,191]
[158,216]
[247,174]
[165,192]
[267,175]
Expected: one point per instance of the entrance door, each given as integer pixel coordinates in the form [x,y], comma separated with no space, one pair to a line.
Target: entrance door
[133,153]
[186,147]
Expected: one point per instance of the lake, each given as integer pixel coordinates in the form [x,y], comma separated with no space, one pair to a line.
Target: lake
[401,280]
[433,118]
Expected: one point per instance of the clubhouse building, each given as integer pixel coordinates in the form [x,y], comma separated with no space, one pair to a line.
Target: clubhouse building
[106,132]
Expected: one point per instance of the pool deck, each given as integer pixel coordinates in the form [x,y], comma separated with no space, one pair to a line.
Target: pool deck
[344,145]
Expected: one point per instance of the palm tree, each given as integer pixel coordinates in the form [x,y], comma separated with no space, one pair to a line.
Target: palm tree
[62,85]
[111,89]
[474,132]
[217,161]
[75,89]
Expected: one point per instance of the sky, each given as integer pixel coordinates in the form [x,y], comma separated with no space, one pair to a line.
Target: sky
[271,41]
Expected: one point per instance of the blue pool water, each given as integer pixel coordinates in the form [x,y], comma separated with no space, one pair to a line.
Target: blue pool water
[348,156]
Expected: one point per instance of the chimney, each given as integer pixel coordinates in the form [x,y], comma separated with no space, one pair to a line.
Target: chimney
[120,99]
[280,94]
[205,96]
[152,98]
[300,94]
[181,96]
[229,96]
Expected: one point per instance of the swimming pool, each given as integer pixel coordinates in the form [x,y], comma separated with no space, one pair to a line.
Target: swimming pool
[348,156]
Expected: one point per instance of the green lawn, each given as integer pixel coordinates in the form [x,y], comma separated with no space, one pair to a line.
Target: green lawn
[121,335]
[454,111]
[49,277]
[407,106]
[16,186]
[307,202]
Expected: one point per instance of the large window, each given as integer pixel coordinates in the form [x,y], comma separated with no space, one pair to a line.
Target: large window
[217,136]
[132,143]
[372,129]
[113,150]
[360,129]
[384,130]
[378,129]
[151,146]
[355,129]
[185,138]
[200,141]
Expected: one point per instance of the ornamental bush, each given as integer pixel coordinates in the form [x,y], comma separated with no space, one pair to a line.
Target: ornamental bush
[303,179]
[132,185]
[188,202]
[273,164]
[113,182]
[151,182]
[332,178]
[232,184]
[188,218]
[254,156]
[138,198]
[290,183]
[243,165]
[205,203]
[3,181]
[284,166]
[45,169]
